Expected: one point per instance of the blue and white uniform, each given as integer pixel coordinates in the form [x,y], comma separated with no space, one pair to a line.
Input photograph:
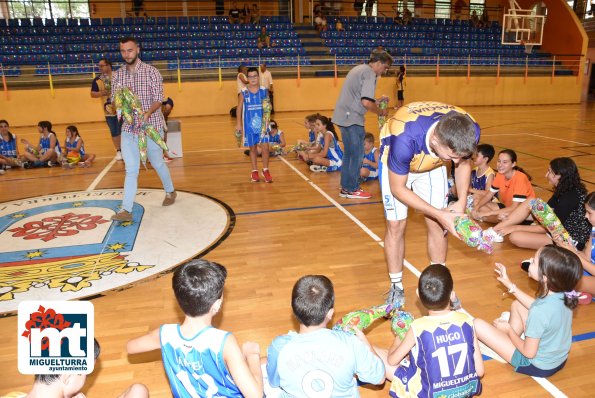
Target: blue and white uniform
[441,362]
[311,136]
[71,145]
[321,364]
[373,171]
[275,139]
[405,150]
[252,116]
[334,153]
[44,144]
[9,148]
[195,365]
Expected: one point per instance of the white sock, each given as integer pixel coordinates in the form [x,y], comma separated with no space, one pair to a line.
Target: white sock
[444,264]
[397,279]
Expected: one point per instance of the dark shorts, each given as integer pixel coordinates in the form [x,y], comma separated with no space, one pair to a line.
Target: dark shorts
[523,365]
[400,95]
[115,127]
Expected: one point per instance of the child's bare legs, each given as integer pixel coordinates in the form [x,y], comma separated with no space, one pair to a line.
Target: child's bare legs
[484,213]
[498,340]
[517,216]
[30,157]
[50,155]
[529,240]
[265,155]
[253,156]
[319,160]
[586,285]
[389,370]
[87,160]
[364,173]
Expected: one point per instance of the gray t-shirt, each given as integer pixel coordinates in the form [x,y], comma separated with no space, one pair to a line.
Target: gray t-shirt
[359,84]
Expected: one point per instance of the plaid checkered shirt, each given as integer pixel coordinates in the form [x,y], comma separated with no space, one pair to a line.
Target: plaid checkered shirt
[147,84]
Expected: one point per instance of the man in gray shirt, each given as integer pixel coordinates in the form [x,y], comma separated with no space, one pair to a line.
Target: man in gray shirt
[356,98]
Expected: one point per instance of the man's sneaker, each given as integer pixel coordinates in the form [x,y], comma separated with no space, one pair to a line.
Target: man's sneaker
[395,297]
[2,172]
[525,264]
[167,159]
[122,216]
[317,169]
[267,175]
[357,194]
[254,176]
[170,198]
[495,236]
[119,155]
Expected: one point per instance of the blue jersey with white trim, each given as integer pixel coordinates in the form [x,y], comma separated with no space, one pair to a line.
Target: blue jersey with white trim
[45,143]
[441,363]
[252,110]
[404,138]
[9,148]
[370,157]
[72,145]
[195,366]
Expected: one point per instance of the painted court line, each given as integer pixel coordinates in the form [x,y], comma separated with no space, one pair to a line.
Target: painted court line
[98,179]
[547,385]
[558,139]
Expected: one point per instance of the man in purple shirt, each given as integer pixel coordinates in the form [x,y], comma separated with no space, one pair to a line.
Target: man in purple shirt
[146,83]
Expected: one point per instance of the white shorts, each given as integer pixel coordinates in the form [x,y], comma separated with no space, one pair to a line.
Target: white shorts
[431,186]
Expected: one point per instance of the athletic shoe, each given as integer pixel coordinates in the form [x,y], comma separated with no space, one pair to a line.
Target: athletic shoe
[170,198]
[317,169]
[167,159]
[2,172]
[27,165]
[357,194]
[584,298]
[122,216]
[395,296]
[267,175]
[254,175]
[495,236]
[119,155]
[525,264]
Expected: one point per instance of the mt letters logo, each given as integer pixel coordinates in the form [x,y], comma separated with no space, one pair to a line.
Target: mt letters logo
[56,337]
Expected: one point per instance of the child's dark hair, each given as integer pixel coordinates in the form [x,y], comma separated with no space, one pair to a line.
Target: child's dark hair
[10,136]
[487,151]
[50,379]
[329,124]
[311,299]
[570,179]
[252,69]
[590,200]
[47,125]
[73,130]
[512,155]
[197,285]
[273,124]
[369,137]
[457,131]
[312,118]
[435,286]
[562,269]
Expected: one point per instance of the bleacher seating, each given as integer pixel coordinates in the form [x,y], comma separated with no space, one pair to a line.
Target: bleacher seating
[422,41]
[77,44]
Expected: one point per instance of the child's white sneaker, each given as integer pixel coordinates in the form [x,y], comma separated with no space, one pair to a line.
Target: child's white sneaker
[495,236]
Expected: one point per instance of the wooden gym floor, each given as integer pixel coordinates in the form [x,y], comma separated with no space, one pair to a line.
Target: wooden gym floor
[298,225]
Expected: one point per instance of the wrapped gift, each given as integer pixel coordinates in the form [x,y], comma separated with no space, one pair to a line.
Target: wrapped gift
[545,215]
[401,323]
[472,234]
[362,319]
[382,104]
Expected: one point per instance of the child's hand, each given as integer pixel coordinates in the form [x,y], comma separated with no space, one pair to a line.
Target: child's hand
[503,276]
[24,141]
[502,325]
[250,348]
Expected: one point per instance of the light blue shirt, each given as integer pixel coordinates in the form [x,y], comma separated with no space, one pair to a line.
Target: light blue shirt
[550,321]
[322,363]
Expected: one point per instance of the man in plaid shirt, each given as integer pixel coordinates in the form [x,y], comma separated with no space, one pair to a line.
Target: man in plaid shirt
[146,83]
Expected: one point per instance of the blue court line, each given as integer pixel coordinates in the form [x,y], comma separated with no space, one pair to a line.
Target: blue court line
[248,213]
[575,339]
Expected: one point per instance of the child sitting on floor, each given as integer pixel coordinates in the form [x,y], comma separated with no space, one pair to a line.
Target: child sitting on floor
[9,150]
[75,150]
[330,156]
[47,153]
[369,170]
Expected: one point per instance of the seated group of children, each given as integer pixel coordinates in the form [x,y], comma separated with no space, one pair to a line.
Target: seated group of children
[439,353]
[46,153]
[323,153]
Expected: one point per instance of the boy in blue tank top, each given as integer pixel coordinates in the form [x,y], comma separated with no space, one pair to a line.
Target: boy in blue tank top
[199,360]
[443,357]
